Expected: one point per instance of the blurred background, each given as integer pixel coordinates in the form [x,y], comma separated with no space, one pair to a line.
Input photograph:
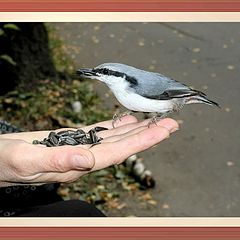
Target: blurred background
[196,170]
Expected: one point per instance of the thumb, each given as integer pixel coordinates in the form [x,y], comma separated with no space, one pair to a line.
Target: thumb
[56,159]
[63,159]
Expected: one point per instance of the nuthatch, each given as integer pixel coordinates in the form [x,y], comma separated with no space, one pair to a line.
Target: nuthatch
[144,91]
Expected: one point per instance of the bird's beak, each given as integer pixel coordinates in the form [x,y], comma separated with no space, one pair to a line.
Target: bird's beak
[87,72]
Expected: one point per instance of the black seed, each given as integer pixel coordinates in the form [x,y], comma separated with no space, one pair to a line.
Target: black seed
[36,142]
[80,135]
[49,144]
[70,141]
[53,138]
[93,136]
[70,137]
[98,129]
[80,131]
[87,141]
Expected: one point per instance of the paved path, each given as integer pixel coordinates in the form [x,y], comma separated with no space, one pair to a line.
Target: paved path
[198,169]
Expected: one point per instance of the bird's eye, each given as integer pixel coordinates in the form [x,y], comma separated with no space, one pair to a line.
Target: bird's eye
[105,71]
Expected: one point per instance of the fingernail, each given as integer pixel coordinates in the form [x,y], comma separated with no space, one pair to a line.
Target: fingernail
[80,162]
[174,130]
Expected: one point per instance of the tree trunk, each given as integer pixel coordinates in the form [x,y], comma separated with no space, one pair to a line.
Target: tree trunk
[28,48]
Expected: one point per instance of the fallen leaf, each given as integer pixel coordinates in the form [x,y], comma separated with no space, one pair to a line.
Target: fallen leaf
[100,187]
[213,75]
[113,203]
[165,206]
[152,202]
[151,67]
[230,67]
[196,50]
[63,192]
[141,42]
[146,197]
[96,28]
[95,39]
[229,163]
[121,206]
[8,100]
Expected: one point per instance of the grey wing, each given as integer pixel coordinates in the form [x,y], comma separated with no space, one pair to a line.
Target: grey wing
[157,86]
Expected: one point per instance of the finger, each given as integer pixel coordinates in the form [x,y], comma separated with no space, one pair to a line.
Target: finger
[122,149]
[108,124]
[129,129]
[168,123]
[39,135]
[67,158]
[122,129]
[120,136]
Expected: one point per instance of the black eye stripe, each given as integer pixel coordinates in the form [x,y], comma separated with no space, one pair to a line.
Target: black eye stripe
[108,72]
[131,80]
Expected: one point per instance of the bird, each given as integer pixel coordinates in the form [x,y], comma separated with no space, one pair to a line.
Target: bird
[143,91]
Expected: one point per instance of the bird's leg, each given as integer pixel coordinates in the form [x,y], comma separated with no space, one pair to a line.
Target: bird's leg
[117,117]
[156,118]
[159,116]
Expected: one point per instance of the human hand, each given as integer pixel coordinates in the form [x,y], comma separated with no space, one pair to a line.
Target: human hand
[21,162]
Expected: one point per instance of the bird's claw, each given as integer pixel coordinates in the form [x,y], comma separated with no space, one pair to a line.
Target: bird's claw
[156,119]
[119,117]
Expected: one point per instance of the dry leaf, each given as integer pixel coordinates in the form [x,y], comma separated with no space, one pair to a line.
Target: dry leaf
[213,75]
[230,67]
[146,197]
[121,206]
[152,202]
[151,67]
[165,206]
[95,39]
[229,163]
[196,50]
[141,42]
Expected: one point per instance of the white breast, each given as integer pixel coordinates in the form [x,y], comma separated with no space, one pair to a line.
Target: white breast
[135,102]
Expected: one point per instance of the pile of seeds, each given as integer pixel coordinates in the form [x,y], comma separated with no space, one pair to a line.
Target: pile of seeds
[71,137]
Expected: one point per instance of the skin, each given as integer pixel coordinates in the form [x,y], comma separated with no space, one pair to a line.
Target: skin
[22,162]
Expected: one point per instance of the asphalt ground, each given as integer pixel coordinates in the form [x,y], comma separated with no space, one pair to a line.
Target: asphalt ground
[197,169]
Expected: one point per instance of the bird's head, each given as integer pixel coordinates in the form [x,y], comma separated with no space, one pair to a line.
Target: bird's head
[110,73]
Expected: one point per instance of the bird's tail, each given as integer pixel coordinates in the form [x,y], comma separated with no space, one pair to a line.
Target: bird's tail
[201,98]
